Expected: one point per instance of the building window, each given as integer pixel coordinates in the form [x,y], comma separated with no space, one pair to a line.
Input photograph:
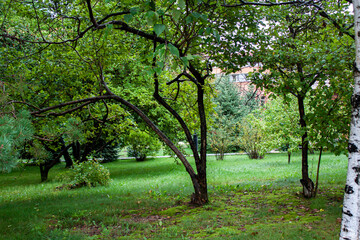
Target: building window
[262,100]
[238,77]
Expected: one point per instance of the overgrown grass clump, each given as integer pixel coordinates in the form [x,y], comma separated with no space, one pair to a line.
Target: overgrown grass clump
[250,199]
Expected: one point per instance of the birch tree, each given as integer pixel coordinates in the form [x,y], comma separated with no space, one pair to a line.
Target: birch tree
[350,225]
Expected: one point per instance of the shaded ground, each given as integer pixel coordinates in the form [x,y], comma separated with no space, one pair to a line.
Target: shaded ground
[233,214]
[250,199]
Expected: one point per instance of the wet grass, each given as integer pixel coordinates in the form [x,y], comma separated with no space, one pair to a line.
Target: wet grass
[250,199]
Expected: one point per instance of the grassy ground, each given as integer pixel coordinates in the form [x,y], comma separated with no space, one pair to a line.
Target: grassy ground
[250,199]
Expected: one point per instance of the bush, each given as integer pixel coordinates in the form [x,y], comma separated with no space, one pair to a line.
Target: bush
[89,173]
[253,138]
[142,144]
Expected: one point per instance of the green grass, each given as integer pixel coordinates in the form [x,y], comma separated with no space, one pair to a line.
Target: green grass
[250,199]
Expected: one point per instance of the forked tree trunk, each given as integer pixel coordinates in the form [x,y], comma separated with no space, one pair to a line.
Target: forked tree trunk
[350,225]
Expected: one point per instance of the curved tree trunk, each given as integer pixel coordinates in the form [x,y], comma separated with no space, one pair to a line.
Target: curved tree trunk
[350,225]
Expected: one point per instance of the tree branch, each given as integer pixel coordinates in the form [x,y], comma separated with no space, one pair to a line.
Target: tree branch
[267,3]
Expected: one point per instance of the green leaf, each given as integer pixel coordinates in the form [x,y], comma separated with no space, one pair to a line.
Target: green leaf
[204,17]
[182,4]
[151,17]
[128,18]
[196,15]
[158,70]
[174,50]
[134,10]
[185,61]
[176,14]
[159,28]
[216,35]
[160,46]
[189,19]
[108,29]
[160,64]
[191,57]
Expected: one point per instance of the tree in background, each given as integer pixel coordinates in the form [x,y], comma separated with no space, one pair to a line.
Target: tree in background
[281,125]
[232,104]
[253,136]
[141,144]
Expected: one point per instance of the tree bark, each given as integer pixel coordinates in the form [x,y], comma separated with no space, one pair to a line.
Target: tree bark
[76,151]
[289,156]
[45,168]
[350,225]
[67,157]
[317,173]
[306,182]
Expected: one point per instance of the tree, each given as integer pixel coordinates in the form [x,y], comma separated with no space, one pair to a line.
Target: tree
[232,104]
[252,136]
[14,131]
[350,227]
[281,128]
[221,135]
[175,34]
[172,32]
[297,61]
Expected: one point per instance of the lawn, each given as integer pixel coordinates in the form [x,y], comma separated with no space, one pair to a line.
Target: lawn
[250,199]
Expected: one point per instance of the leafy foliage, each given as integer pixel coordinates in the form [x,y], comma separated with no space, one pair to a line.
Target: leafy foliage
[281,126]
[89,173]
[253,137]
[232,105]
[14,131]
[141,144]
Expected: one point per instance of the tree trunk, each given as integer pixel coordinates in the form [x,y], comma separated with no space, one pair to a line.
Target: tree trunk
[306,182]
[68,160]
[76,151]
[350,225]
[289,156]
[317,173]
[45,168]
[44,172]
[200,195]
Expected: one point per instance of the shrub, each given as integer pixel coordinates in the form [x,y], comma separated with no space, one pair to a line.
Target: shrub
[142,144]
[89,173]
[253,137]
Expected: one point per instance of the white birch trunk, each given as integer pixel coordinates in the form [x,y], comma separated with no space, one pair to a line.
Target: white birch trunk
[350,225]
